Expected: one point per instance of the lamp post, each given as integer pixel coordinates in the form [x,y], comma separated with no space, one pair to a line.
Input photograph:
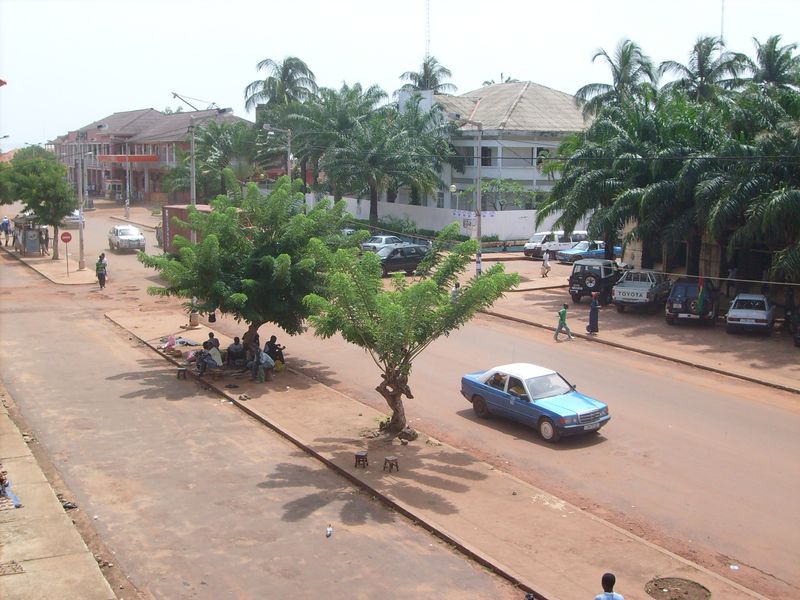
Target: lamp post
[127,180]
[192,178]
[271,130]
[454,190]
[478,202]
[81,255]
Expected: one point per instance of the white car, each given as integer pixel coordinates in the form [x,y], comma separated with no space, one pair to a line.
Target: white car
[750,312]
[72,220]
[126,237]
[376,242]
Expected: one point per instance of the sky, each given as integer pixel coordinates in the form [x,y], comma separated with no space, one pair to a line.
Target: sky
[68,63]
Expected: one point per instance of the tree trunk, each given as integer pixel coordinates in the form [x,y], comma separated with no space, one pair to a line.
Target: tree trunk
[393,387]
[373,205]
[55,242]
[250,334]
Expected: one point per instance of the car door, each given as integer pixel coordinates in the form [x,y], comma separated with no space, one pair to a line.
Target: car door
[496,397]
[519,405]
[394,262]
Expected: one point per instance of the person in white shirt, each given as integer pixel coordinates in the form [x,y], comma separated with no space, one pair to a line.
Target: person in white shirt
[608,582]
[545,263]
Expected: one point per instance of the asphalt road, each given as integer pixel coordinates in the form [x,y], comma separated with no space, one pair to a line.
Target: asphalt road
[701,464]
[195,499]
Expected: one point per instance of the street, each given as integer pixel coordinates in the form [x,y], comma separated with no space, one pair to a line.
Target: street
[699,463]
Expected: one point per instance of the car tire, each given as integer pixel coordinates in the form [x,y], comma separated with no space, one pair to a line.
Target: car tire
[670,320]
[576,298]
[548,431]
[590,282]
[620,308]
[385,271]
[409,272]
[480,408]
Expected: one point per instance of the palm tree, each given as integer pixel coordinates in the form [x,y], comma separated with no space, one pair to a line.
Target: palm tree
[323,122]
[508,79]
[222,145]
[775,65]
[711,70]
[286,82]
[632,72]
[431,76]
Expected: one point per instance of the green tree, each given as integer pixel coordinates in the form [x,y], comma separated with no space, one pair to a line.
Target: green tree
[396,325]
[431,76]
[288,81]
[222,145]
[501,194]
[632,76]
[39,181]
[711,71]
[252,259]
[775,66]
[209,183]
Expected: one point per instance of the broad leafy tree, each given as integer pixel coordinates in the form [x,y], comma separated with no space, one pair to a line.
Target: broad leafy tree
[395,325]
[431,76]
[286,82]
[253,257]
[39,181]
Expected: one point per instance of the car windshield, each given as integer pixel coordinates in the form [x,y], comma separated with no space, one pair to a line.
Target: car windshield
[749,304]
[127,231]
[537,237]
[547,386]
[581,246]
[385,251]
[374,240]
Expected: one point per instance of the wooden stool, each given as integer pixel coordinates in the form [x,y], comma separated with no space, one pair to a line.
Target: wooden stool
[361,459]
[391,462]
[181,373]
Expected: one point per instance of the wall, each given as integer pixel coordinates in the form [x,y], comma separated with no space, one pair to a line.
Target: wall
[507,224]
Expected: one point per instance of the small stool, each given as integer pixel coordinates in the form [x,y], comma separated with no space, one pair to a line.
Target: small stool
[361,459]
[391,462]
[181,373]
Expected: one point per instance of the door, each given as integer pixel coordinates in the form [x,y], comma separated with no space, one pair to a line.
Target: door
[496,396]
[519,404]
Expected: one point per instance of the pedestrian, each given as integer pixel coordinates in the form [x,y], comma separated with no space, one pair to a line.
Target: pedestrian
[562,323]
[608,582]
[5,227]
[731,281]
[100,270]
[455,292]
[44,241]
[594,315]
[545,263]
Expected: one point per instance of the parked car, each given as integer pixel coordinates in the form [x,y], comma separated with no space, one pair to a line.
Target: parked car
[683,302]
[585,249]
[641,289]
[535,396]
[126,237]
[593,275]
[73,219]
[750,312]
[404,257]
[376,242]
[552,241]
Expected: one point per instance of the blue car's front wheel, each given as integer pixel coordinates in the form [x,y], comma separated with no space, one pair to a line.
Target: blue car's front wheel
[548,430]
[480,408]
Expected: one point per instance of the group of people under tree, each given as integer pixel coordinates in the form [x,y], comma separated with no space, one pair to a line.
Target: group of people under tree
[260,362]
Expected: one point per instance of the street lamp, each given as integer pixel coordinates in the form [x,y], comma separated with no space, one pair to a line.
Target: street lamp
[478,203]
[454,190]
[271,131]
[193,178]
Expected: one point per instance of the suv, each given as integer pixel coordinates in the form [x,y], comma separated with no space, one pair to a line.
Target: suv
[593,275]
[683,302]
[404,257]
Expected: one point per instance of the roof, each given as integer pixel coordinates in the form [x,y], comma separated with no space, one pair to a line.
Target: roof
[524,370]
[126,123]
[517,107]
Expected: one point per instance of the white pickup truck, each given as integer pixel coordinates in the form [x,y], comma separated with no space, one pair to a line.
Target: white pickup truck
[641,289]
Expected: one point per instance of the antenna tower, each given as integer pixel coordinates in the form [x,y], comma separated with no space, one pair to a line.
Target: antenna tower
[427,28]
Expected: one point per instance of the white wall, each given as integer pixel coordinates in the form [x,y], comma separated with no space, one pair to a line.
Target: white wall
[507,224]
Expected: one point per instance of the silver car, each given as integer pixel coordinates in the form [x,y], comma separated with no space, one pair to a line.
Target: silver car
[376,242]
[126,237]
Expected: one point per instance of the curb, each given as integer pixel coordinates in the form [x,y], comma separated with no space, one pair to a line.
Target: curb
[680,361]
[447,537]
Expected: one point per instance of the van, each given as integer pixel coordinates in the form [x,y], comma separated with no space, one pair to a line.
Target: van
[552,241]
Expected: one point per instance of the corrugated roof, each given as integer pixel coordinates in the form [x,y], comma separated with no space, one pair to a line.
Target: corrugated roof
[126,123]
[520,107]
[175,127]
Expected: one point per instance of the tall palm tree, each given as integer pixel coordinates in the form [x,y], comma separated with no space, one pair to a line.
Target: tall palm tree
[711,71]
[286,82]
[222,145]
[775,66]
[431,76]
[323,122]
[632,76]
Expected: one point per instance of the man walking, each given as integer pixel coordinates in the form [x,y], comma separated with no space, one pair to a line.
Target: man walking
[5,227]
[608,582]
[100,270]
[545,263]
[562,323]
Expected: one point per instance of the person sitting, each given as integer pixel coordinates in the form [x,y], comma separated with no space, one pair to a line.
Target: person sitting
[498,381]
[261,366]
[214,341]
[210,357]
[236,356]
[275,350]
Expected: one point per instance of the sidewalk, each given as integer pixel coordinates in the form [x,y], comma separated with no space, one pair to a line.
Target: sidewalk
[42,555]
[522,532]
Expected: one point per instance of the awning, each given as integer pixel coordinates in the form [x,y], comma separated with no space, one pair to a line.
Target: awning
[128,158]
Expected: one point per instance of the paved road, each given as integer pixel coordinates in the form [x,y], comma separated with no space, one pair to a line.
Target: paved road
[700,463]
[195,499]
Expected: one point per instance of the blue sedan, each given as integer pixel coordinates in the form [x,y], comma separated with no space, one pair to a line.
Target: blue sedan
[535,396]
[585,249]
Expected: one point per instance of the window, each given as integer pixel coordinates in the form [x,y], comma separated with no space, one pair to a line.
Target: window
[498,381]
[515,388]
[486,157]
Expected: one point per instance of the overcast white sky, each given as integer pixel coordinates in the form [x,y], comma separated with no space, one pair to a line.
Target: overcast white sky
[70,62]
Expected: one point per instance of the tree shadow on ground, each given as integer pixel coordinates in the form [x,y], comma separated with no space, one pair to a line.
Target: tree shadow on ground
[156,381]
[525,433]
[357,508]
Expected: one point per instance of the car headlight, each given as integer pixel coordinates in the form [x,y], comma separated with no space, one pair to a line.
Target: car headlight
[604,412]
[572,420]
